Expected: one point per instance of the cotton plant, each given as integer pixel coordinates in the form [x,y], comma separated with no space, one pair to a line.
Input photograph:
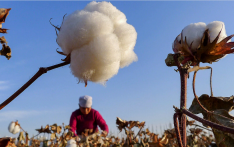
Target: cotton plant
[97,41]
[198,43]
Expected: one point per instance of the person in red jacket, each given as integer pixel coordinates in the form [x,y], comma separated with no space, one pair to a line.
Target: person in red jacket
[87,118]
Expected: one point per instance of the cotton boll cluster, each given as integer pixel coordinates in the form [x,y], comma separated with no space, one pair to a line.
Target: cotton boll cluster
[194,33]
[14,127]
[99,40]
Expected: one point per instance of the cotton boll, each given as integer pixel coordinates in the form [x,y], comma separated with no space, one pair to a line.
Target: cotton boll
[97,61]
[194,33]
[127,36]
[214,29]
[81,27]
[13,128]
[109,10]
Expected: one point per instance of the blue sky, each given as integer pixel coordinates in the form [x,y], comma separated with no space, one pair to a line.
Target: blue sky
[145,91]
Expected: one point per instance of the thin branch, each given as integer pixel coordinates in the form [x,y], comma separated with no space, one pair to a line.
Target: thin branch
[138,132]
[208,123]
[179,140]
[194,92]
[211,92]
[41,71]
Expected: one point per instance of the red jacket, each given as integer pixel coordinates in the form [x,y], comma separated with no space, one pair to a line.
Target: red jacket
[79,122]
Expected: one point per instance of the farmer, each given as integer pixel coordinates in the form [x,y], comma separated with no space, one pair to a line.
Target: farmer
[87,118]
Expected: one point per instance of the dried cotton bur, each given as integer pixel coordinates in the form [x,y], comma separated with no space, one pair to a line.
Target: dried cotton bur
[97,42]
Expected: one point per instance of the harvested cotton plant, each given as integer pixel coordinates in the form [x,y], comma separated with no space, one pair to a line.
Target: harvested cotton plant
[97,42]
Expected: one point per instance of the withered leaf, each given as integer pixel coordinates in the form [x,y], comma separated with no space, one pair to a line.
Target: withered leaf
[67,127]
[147,131]
[56,129]
[223,138]
[212,103]
[52,136]
[121,124]
[43,130]
[142,124]
[6,51]
[3,14]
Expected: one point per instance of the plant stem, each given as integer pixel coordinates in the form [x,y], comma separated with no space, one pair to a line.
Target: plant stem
[175,117]
[208,123]
[183,99]
[41,71]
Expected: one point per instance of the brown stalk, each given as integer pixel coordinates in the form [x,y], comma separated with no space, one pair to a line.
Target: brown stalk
[175,117]
[41,71]
[208,123]
[183,99]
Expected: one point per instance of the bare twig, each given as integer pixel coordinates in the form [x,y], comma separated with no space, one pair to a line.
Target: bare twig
[41,71]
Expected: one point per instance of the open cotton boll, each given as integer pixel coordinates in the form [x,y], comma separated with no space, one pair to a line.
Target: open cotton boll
[81,27]
[13,128]
[214,29]
[98,61]
[127,36]
[109,10]
[194,33]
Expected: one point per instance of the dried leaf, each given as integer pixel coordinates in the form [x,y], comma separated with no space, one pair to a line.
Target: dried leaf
[44,130]
[147,131]
[53,136]
[3,30]
[212,103]
[6,51]
[3,14]
[67,127]
[121,124]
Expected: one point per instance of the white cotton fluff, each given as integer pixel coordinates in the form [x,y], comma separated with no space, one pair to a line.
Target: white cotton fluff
[79,28]
[109,10]
[214,29]
[99,40]
[71,143]
[194,33]
[127,36]
[14,129]
[88,62]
